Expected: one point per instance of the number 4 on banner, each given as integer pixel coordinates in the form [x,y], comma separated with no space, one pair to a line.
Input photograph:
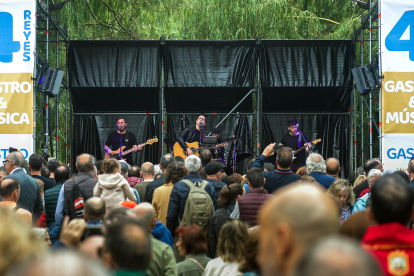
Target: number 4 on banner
[393,41]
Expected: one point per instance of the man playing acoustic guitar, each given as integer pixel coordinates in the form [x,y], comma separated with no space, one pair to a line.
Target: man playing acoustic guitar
[192,134]
[128,140]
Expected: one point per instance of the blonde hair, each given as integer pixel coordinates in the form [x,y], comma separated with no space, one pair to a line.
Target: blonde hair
[359,180]
[110,165]
[230,243]
[41,185]
[341,185]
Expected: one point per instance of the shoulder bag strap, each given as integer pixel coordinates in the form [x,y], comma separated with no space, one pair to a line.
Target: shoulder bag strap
[203,184]
[197,263]
[188,183]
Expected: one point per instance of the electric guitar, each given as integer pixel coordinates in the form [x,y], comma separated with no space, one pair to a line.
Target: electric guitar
[120,153]
[303,147]
[195,148]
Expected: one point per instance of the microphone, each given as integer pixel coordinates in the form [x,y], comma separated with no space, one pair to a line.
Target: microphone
[237,120]
[297,125]
[119,127]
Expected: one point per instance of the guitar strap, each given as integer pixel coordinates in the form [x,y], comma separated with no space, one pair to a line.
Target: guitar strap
[300,136]
[300,139]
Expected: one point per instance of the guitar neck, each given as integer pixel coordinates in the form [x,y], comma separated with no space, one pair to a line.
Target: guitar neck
[131,150]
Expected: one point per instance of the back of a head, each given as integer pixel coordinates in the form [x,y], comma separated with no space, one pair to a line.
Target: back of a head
[174,172]
[98,165]
[392,200]
[356,225]
[52,164]
[337,256]
[249,262]
[85,162]
[231,240]
[370,164]
[229,194]
[193,239]
[35,162]
[402,175]
[268,167]
[411,165]
[44,171]
[166,159]
[147,168]
[134,171]
[146,213]
[205,157]
[62,173]
[124,167]
[95,208]
[250,164]
[332,166]
[315,163]
[115,214]
[237,178]
[284,157]
[302,171]
[179,159]
[109,166]
[255,178]
[41,185]
[192,164]
[128,243]
[17,159]
[8,186]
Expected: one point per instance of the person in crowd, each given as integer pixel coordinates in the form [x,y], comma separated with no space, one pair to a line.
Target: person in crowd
[41,221]
[92,246]
[42,234]
[128,248]
[333,168]
[404,176]
[268,167]
[315,166]
[308,180]
[45,172]
[360,179]
[192,245]
[282,176]
[125,168]
[51,196]
[230,249]
[147,170]
[214,171]
[373,176]
[35,164]
[98,165]
[112,186]
[165,160]
[290,222]
[337,256]
[370,164]
[179,193]
[249,266]
[227,199]
[134,176]
[173,173]
[157,176]
[128,204]
[29,198]
[206,157]
[390,241]
[247,206]
[85,164]
[3,172]
[202,173]
[10,193]
[94,211]
[341,190]
[52,164]
[227,179]
[244,179]
[237,178]
[302,171]
[410,171]
[163,261]
[356,225]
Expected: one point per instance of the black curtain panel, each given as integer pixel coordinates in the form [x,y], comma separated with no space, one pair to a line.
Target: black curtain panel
[152,130]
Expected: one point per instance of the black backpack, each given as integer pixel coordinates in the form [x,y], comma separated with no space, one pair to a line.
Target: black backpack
[76,203]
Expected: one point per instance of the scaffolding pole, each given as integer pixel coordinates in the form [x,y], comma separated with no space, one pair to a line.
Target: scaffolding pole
[362,98]
[371,92]
[380,87]
[57,98]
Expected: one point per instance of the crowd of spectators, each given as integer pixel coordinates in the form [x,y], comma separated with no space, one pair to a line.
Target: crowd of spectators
[110,218]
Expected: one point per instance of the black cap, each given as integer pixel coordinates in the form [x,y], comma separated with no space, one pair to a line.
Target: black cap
[215,130]
[213,167]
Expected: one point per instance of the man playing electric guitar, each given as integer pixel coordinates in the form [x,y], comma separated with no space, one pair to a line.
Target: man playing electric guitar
[296,140]
[128,140]
[192,134]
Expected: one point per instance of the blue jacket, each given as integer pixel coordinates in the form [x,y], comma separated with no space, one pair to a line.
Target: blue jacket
[323,180]
[161,233]
[361,203]
[217,189]
[178,199]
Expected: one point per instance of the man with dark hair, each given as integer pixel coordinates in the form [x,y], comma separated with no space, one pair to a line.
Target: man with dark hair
[247,206]
[213,172]
[3,172]
[52,164]
[29,198]
[122,137]
[94,211]
[411,172]
[134,176]
[127,247]
[282,176]
[205,157]
[391,240]
[294,140]
[35,164]
[165,160]
[370,164]
[51,196]
[85,164]
[10,193]
[192,134]
[44,171]
[333,168]
[98,165]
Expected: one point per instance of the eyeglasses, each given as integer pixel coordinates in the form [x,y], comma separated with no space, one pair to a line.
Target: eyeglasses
[5,161]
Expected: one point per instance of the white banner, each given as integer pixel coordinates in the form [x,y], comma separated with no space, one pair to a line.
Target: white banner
[397,54]
[17,46]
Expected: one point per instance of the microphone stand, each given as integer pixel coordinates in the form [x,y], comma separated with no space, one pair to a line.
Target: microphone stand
[234,145]
[120,142]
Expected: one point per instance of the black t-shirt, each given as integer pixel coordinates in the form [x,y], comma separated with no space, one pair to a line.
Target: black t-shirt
[49,182]
[128,140]
[196,136]
[292,142]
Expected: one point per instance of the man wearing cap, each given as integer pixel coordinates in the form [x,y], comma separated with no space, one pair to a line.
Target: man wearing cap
[213,171]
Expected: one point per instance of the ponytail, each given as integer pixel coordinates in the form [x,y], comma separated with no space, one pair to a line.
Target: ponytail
[229,194]
[110,165]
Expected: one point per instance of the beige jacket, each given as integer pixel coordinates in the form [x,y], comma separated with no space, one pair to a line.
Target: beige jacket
[113,189]
[160,201]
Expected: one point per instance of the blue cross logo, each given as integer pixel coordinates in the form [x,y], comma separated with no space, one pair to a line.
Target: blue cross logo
[7,45]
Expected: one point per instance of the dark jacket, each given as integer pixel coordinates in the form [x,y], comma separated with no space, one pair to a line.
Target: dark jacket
[324,180]
[149,190]
[361,187]
[217,221]
[187,135]
[217,189]
[249,205]
[178,199]
[51,197]
[86,184]
[29,194]
[161,233]
[276,179]
[49,182]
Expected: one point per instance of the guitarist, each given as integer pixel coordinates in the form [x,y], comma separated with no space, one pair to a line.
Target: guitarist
[128,140]
[296,140]
[192,134]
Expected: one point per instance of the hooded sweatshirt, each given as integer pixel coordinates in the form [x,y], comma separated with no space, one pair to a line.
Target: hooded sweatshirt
[161,233]
[113,189]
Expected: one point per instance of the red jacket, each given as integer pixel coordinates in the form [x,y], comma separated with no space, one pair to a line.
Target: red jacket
[250,204]
[393,246]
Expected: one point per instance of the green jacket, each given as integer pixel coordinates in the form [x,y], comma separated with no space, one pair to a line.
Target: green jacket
[163,261]
[191,268]
[129,273]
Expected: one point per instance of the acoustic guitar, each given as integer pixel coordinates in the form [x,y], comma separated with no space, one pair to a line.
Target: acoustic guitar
[195,148]
[120,153]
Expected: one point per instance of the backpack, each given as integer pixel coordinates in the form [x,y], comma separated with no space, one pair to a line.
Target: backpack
[199,207]
[76,202]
